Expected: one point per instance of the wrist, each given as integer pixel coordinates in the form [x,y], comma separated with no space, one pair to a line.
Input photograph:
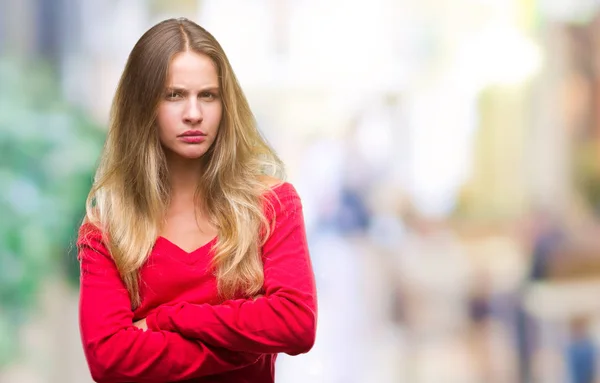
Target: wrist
[151,322]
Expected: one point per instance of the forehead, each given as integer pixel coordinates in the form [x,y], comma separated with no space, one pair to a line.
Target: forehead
[192,70]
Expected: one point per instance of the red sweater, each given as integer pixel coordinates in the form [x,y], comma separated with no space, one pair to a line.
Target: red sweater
[193,335]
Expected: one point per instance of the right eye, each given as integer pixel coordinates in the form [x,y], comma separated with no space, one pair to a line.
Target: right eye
[173,95]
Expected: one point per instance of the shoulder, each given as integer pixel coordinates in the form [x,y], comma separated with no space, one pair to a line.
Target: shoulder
[282,199]
[91,236]
[277,188]
[88,230]
[269,181]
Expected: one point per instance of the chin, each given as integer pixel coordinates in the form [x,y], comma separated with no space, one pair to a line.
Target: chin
[191,152]
[188,153]
[192,155]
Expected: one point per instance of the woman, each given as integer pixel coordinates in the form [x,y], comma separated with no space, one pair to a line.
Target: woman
[194,262]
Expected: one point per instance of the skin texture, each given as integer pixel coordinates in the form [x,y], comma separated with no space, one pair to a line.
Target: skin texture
[191,102]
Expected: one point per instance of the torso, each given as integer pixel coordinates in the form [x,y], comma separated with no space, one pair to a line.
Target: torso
[190,229]
[179,269]
[186,229]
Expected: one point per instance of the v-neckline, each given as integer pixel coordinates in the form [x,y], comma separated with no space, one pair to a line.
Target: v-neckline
[180,249]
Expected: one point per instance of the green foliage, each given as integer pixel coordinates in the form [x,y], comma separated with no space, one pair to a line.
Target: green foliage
[48,151]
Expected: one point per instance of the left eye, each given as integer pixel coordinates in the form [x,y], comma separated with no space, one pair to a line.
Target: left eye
[207,95]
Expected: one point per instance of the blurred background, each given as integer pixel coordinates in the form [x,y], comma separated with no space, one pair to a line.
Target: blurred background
[446,153]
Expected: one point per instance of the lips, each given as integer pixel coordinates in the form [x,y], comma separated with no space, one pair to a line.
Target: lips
[193,139]
[192,133]
[193,136]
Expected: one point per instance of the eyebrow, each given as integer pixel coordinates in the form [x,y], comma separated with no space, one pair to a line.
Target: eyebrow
[211,88]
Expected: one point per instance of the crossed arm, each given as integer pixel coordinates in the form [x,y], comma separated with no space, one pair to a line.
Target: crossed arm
[283,320]
[117,351]
[188,340]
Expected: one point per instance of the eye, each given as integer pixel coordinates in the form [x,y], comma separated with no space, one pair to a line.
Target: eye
[208,96]
[173,95]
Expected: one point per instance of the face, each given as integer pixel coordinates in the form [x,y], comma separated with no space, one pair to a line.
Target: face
[190,110]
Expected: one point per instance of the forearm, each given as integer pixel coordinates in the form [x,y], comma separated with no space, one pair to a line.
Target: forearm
[135,355]
[268,325]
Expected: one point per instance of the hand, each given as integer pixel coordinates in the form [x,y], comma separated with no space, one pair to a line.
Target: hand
[141,324]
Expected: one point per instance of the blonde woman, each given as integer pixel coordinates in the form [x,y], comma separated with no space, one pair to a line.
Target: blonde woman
[194,261]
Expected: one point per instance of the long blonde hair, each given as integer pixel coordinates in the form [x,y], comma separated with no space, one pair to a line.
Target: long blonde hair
[130,194]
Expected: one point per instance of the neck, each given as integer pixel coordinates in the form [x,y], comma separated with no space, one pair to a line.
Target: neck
[184,176]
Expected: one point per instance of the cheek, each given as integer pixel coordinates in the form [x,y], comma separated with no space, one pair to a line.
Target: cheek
[167,118]
[217,115]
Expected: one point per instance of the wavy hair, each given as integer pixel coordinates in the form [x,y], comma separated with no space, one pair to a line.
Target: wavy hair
[131,193]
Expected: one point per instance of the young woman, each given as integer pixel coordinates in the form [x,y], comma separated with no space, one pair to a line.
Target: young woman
[194,261]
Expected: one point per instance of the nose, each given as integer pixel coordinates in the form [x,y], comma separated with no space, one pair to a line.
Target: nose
[193,113]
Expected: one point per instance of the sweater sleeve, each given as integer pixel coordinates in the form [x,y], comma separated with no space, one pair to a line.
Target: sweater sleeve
[283,320]
[117,351]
